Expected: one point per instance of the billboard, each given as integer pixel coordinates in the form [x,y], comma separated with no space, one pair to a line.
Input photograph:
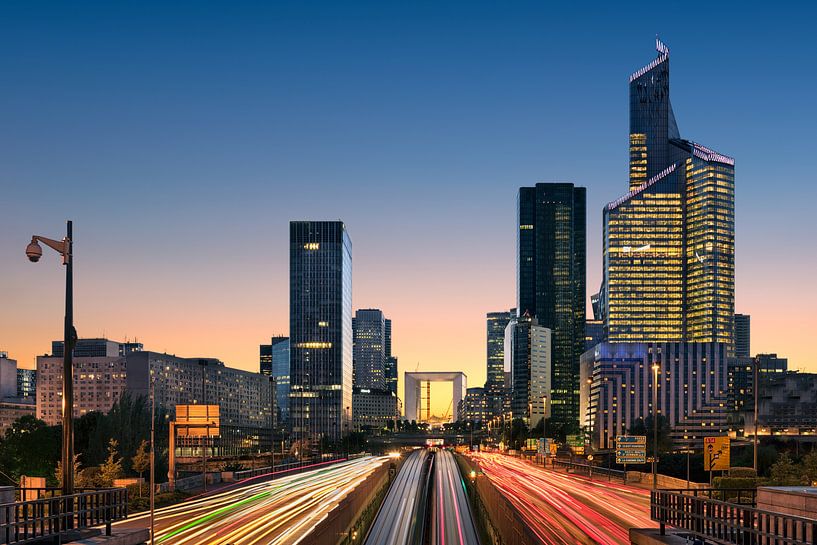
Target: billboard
[197,420]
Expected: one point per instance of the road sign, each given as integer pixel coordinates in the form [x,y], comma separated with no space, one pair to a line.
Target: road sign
[578,450]
[716,453]
[631,449]
[575,440]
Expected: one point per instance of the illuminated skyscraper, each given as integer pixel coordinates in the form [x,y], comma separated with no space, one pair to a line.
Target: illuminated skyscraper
[369,352]
[495,356]
[320,325]
[669,244]
[551,262]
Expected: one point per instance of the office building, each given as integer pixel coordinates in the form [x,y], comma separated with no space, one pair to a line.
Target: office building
[391,371]
[26,383]
[12,405]
[387,336]
[742,377]
[495,351]
[373,409]
[474,407]
[669,244]
[593,333]
[97,348]
[528,355]
[320,325]
[787,405]
[274,362]
[617,389]
[369,352]
[743,331]
[551,283]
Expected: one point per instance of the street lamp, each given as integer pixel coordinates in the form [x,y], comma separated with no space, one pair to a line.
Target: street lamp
[34,253]
[655,368]
[756,389]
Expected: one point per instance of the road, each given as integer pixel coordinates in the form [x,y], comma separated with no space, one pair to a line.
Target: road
[279,512]
[451,520]
[400,519]
[568,509]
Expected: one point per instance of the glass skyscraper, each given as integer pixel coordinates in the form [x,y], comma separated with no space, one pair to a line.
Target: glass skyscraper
[369,352]
[669,244]
[320,324]
[551,282]
[495,352]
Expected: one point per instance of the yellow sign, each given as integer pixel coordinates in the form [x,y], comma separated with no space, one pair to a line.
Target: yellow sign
[716,453]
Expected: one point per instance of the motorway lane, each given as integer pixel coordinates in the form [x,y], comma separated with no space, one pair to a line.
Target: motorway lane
[398,521]
[279,512]
[568,509]
[451,521]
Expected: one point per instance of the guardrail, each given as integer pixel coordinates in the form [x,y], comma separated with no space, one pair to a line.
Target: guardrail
[589,470]
[50,516]
[728,522]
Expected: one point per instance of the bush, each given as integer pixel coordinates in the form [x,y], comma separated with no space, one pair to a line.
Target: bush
[135,503]
[742,472]
[734,482]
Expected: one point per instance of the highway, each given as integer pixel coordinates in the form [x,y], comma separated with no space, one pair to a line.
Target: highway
[279,512]
[568,509]
[451,520]
[401,516]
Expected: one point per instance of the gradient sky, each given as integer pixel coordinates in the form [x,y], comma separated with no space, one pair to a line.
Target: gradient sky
[182,140]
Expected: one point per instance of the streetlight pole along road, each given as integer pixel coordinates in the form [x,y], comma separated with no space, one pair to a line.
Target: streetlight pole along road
[65,248]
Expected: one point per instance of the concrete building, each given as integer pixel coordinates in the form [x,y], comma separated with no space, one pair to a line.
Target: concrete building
[528,356]
[97,348]
[414,382]
[617,385]
[12,406]
[373,409]
[244,398]
[742,377]
[787,405]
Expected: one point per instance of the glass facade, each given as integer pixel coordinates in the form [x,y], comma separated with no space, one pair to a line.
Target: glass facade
[496,324]
[320,330]
[369,330]
[669,244]
[551,282]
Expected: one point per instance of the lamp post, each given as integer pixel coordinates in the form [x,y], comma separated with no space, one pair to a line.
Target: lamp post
[655,368]
[152,458]
[756,389]
[34,252]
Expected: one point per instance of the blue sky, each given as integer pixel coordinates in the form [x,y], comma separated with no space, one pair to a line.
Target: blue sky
[183,136]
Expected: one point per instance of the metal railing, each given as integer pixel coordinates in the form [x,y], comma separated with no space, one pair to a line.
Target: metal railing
[698,512]
[589,470]
[52,515]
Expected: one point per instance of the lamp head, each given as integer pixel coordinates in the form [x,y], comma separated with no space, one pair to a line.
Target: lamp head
[34,251]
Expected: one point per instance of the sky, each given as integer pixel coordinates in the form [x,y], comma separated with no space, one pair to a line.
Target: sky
[181,138]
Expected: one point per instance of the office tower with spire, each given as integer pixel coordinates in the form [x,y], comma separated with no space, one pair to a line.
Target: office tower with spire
[669,243]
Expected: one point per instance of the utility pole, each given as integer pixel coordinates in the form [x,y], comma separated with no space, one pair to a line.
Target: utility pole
[756,390]
[655,368]
[152,458]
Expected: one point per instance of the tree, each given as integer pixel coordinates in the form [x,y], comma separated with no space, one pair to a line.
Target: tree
[77,472]
[112,468]
[140,462]
[30,447]
[810,465]
[785,472]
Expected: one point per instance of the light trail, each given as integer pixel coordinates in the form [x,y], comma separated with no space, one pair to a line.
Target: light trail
[279,512]
[568,509]
[452,523]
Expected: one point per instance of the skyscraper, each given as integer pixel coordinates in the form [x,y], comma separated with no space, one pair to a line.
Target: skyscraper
[320,325]
[669,243]
[528,353]
[369,353]
[495,351]
[551,261]
[743,336]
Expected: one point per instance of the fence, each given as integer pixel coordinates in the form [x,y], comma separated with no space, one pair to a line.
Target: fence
[589,470]
[52,515]
[706,515]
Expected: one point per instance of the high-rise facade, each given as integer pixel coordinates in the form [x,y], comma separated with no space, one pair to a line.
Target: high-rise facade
[669,243]
[528,353]
[369,353]
[320,325]
[495,351]
[551,282]
[391,371]
[743,336]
